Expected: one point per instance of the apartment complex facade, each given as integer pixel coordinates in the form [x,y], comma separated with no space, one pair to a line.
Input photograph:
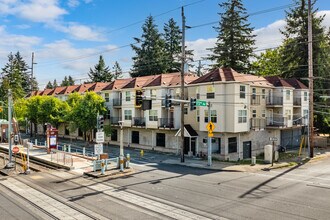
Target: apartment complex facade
[247,110]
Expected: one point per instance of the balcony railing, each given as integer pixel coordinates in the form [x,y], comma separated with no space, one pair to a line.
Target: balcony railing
[297,101]
[275,100]
[255,99]
[139,122]
[277,122]
[115,120]
[117,102]
[299,121]
[166,123]
[258,123]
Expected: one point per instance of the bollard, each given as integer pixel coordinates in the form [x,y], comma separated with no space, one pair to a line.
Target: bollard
[84,151]
[128,158]
[102,167]
[36,142]
[121,162]
[141,153]
[253,161]
[69,148]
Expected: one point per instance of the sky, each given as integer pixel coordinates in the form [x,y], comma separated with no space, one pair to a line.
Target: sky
[67,37]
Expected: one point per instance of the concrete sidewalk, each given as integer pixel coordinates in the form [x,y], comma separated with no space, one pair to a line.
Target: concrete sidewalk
[230,166]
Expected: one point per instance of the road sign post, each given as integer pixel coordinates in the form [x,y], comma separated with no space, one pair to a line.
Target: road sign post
[100,137]
[201,103]
[210,128]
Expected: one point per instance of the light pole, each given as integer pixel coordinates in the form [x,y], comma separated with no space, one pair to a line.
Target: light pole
[10,163]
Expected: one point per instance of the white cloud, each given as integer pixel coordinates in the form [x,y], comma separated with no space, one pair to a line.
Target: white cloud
[200,47]
[22,26]
[73,3]
[33,10]
[326,21]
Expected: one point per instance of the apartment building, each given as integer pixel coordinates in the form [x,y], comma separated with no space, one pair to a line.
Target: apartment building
[247,110]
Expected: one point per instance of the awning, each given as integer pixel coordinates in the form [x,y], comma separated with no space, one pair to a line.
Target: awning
[188,132]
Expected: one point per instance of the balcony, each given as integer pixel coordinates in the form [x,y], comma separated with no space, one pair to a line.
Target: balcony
[276,122]
[139,122]
[166,123]
[297,101]
[117,103]
[255,99]
[299,121]
[275,100]
[115,120]
[258,123]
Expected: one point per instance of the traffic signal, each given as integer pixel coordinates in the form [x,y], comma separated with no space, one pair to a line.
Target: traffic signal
[168,101]
[100,122]
[192,104]
[138,98]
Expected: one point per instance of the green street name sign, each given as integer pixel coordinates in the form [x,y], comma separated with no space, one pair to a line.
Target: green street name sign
[201,103]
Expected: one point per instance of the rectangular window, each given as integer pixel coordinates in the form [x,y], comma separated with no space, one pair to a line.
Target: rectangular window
[197,115]
[114,135]
[263,113]
[263,91]
[305,96]
[185,111]
[153,115]
[198,96]
[242,116]
[128,114]
[66,132]
[254,93]
[210,95]
[160,139]
[213,116]
[135,137]
[288,114]
[128,96]
[106,97]
[232,145]
[288,94]
[153,93]
[254,113]
[242,92]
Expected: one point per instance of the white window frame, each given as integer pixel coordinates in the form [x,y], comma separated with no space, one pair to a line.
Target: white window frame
[287,94]
[242,91]
[214,116]
[242,116]
[106,97]
[127,114]
[254,113]
[153,93]
[305,96]
[128,96]
[153,115]
[263,91]
[263,113]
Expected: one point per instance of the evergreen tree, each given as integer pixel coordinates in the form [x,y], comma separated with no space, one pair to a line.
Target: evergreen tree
[13,77]
[149,59]
[269,63]
[295,53]
[55,84]
[71,81]
[49,85]
[234,46]
[101,72]
[117,71]
[65,81]
[172,37]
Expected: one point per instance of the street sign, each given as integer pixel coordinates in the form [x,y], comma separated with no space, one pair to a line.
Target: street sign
[210,127]
[201,103]
[100,137]
[210,135]
[15,150]
[98,149]
[273,139]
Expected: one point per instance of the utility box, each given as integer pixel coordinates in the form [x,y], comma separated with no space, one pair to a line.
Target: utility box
[103,156]
[268,149]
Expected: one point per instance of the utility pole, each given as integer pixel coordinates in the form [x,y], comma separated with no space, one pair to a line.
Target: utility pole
[311,80]
[32,65]
[209,141]
[10,164]
[183,60]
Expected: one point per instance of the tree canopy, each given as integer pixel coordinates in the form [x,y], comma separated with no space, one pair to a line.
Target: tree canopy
[101,72]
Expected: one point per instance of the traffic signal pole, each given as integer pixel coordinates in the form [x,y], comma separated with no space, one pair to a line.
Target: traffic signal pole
[209,141]
[183,60]
[10,163]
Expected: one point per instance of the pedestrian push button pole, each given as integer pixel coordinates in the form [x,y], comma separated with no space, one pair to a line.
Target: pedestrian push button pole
[121,163]
[102,167]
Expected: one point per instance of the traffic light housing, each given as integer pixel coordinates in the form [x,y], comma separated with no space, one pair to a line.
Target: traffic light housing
[100,122]
[168,101]
[192,104]
[138,98]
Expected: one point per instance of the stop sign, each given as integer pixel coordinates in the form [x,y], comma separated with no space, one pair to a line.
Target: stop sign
[15,150]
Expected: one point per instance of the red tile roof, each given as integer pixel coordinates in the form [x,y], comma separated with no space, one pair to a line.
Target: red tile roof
[277,81]
[84,87]
[230,75]
[69,89]
[57,90]
[99,86]
[296,83]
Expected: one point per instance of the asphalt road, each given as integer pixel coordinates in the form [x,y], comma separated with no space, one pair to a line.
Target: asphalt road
[302,192]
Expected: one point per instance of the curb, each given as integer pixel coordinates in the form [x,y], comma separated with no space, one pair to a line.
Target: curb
[111,174]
